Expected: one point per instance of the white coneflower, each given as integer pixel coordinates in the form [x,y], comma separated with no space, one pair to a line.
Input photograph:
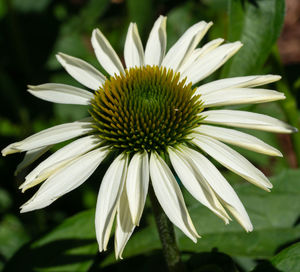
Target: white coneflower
[149,113]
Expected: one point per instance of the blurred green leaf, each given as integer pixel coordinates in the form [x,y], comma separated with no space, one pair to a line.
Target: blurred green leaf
[273,216]
[5,200]
[257,24]
[72,38]
[30,5]
[184,15]
[71,246]
[12,236]
[137,14]
[7,128]
[297,84]
[3,9]
[288,260]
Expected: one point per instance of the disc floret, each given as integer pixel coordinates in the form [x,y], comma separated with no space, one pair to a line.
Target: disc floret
[146,108]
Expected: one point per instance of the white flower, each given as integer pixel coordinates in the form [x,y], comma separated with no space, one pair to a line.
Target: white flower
[144,113]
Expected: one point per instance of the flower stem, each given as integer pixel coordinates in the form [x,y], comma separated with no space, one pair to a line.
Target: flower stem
[166,235]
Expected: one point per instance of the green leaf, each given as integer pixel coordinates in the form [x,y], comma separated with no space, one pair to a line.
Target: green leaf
[266,211]
[12,236]
[273,216]
[288,260]
[71,246]
[257,24]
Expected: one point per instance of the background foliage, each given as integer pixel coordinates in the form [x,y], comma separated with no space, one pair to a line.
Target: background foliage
[58,238]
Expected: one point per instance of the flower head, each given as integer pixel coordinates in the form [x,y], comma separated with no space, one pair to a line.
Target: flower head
[152,112]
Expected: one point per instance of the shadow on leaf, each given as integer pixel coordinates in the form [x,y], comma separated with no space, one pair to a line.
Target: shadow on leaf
[67,252]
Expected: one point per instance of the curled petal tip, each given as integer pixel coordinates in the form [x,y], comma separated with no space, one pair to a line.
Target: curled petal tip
[239,44]
[250,229]
[279,154]
[22,210]
[277,77]
[10,149]
[294,130]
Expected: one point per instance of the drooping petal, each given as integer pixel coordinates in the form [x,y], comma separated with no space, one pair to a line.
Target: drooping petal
[233,161]
[236,82]
[157,42]
[133,50]
[199,52]
[137,183]
[124,225]
[184,47]
[219,184]
[195,184]
[83,72]
[238,138]
[170,197]
[108,198]
[51,136]
[61,93]
[245,119]
[105,54]
[59,159]
[31,156]
[210,62]
[65,180]
[240,96]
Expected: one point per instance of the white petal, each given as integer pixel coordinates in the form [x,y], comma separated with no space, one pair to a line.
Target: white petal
[236,82]
[219,184]
[124,226]
[83,72]
[156,44]
[137,183]
[186,44]
[240,96]
[65,180]
[199,52]
[46,173]
[108,197]
[105,54]
[133,50]
[170,197]
[61,93]
[245,119]
[30,157]
[210,62]
[194,183]
[232,160]
[51,136]
[58,159]
[238,138]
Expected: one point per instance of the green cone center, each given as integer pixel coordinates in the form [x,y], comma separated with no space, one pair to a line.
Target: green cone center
[147,108]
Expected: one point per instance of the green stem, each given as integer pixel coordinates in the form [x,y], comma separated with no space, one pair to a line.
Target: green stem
[166,235]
